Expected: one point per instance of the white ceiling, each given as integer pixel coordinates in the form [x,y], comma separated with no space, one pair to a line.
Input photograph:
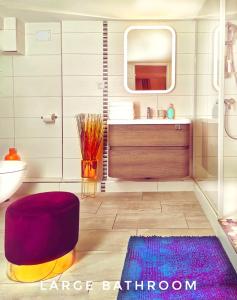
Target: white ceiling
[30,10]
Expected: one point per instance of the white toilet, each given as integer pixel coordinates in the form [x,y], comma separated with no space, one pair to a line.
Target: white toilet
[11,177]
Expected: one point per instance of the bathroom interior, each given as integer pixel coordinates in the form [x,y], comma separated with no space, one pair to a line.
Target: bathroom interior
[167,162]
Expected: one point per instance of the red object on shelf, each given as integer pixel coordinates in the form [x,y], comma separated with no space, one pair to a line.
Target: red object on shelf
[12,155]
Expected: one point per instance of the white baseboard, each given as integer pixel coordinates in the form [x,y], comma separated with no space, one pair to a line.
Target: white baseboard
[148,186]
[213,219]
[35,185]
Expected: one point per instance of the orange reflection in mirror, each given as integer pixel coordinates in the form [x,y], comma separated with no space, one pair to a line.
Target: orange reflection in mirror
[150,77]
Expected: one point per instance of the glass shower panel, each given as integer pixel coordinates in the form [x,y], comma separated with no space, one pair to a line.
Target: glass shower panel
[206,106]
[230,113]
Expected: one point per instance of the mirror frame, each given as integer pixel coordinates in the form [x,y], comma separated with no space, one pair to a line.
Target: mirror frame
[173,67]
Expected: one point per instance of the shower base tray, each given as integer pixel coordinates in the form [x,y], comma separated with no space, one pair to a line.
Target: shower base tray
[230,228]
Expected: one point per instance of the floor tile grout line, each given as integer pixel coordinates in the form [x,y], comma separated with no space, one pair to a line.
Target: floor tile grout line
[99,207]
[186,222]
[161,208]
[114,221]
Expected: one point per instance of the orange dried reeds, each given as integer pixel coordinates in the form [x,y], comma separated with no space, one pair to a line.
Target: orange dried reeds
[90,130]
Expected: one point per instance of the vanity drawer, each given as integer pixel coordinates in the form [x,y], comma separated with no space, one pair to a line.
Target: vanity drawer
[145,162]
[149,135]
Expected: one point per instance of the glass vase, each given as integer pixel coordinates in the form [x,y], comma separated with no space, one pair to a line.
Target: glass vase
[89,169]
[89,178]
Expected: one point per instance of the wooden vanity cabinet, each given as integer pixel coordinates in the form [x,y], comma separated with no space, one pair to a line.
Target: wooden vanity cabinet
[150,151]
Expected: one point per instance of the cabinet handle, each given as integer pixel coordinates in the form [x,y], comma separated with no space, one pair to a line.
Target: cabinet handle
[178,127]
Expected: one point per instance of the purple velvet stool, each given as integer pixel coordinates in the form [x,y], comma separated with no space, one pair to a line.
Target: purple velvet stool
[40,229]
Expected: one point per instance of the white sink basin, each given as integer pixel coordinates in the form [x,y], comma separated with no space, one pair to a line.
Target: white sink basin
[150,121]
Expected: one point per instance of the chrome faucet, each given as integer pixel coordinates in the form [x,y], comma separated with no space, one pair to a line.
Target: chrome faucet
[149,113]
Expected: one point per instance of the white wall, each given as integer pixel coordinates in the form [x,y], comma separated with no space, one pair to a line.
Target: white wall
[6,104]
[34,84]
[82,77]
[31,87]
[82,56]
[182,96]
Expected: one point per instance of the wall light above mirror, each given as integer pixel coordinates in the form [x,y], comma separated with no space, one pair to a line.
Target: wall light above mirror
[149,59]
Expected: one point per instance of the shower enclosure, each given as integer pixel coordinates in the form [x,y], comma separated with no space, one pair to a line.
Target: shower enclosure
[207,104]
[215,130]
[229,207]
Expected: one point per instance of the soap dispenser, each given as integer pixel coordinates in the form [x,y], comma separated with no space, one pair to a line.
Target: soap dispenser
[171,112]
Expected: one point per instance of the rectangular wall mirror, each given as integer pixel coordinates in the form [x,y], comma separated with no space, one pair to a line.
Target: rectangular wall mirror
[149,59]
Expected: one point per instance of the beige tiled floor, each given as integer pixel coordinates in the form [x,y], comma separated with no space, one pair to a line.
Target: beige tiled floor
[106,224]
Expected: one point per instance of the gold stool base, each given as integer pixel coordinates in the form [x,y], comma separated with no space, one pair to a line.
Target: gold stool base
[32,273]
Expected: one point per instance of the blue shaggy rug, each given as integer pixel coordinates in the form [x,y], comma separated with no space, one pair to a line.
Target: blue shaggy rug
[177,268]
